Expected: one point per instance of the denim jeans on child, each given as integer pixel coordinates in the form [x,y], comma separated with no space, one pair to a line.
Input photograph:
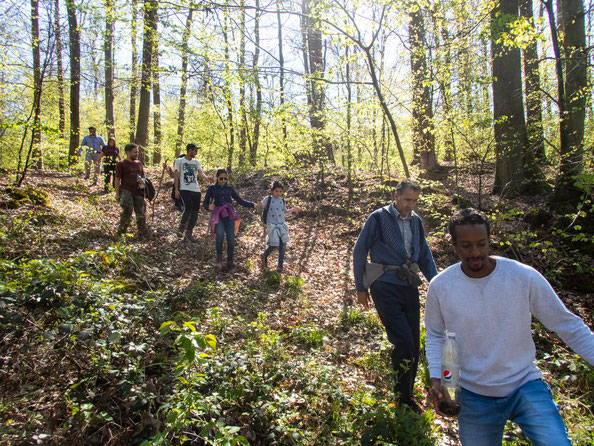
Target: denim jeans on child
[282,247]
[482,418]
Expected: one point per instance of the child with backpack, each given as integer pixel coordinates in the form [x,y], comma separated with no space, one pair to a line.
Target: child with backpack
[277,230]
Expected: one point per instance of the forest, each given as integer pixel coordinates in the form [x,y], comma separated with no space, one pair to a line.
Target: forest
[117,340]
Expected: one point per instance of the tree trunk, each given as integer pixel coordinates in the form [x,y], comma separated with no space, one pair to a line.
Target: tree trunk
[150,28]
[156,99]
[533,93]
[109,75]
[61,99]
[281,61]
[181,113]
[133,72]
[258,86]
[242,83]
[508,107]
[422,106]
[228,95]
[572,24]
[314,64]
[74,45]
[36,128]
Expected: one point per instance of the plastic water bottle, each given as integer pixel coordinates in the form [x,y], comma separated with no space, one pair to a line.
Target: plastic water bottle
[450,375]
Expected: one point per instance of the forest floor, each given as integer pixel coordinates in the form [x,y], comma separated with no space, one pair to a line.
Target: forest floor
[107,340]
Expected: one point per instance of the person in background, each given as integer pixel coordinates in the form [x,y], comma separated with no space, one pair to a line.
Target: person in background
[224,220]
[110,155]
[93,145]
[489,302]
[186,172]
[394,239]
[129,191]
[277,230]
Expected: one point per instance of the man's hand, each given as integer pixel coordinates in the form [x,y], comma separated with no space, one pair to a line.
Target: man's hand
[258,205]
[439,395]
[211,207]
[363,298]
[177,195]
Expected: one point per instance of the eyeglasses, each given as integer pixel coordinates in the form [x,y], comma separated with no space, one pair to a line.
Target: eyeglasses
[222,178]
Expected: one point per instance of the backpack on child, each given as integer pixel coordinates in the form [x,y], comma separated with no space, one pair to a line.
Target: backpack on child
[267,207]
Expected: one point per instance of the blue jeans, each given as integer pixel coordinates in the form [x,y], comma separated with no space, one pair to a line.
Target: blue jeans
[282,247]
[225,226]
[482,418]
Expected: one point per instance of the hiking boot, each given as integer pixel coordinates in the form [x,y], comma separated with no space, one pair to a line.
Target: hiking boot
[189,237]
[413,406]
[180,231]
[279,269]
[230,265]
[219,259]
[263,261]
[144,233]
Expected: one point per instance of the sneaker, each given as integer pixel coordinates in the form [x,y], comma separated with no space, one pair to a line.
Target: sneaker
[263,261]
[230,265]
[219,259]
[180,231]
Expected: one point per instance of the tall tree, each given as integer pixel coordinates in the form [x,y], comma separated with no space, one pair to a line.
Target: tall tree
[243,125]
[156,100]
[422,106]
[37,87]
[133,71]
[74,46]
[281,61]
[508,107]
[228,93]
[181,113]
[533,90]
[61,99]
[314,64]
[257,86]
[109,66]
[572,98]
[150,28]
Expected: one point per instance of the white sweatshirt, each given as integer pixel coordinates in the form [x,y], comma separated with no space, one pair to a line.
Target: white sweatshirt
[492,318]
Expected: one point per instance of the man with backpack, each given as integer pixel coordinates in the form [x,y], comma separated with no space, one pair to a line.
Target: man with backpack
[394,239]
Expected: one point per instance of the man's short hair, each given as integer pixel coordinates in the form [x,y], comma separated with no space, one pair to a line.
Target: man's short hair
[131,146]
[468,216]
[92,128]
[191,146]
[407,184]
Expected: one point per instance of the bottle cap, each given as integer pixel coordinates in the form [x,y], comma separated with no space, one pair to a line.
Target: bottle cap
[450,334]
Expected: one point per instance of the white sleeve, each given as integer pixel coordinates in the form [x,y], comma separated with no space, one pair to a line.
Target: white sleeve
[264,201]
[435,332]
[546,306]
[198,165]
[177,165]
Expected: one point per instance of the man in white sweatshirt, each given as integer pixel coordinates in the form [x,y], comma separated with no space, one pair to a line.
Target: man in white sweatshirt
[489,302]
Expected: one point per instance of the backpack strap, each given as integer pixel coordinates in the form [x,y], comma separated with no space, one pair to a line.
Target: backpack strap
[265,213]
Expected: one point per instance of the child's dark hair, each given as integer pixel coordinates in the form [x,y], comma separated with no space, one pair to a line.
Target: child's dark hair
[220,172]
[468,216]
[277,185]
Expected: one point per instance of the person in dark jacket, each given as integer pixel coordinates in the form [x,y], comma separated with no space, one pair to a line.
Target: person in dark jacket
[224,220]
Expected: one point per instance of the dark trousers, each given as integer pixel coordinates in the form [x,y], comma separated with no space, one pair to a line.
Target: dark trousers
[399,310]
[225,226]
[282,247]
[191,202]
[109,172]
